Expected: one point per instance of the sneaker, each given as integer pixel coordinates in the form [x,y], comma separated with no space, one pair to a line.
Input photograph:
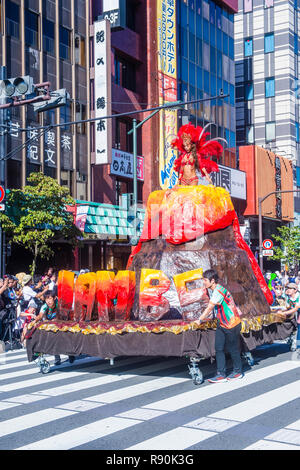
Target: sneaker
[218,378]
[235,376]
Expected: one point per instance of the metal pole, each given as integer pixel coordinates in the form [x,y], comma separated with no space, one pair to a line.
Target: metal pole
[3,132]
[261,261]
[260,234]
[134,135]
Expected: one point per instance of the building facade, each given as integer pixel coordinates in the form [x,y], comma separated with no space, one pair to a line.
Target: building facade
[206,66]
[47,41]
[267,78]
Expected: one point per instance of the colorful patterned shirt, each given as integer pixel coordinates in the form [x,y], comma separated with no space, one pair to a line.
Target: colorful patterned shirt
[227,312]
[290,303]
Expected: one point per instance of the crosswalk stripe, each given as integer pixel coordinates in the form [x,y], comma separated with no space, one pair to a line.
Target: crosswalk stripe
[44,379]
[79,386]
[284,438]
[176,439]
[260,404]
[82,435]
[214,390]
[271,445]
[70,438]
[34,419]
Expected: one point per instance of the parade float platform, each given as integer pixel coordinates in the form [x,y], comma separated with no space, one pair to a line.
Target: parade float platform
[150,309]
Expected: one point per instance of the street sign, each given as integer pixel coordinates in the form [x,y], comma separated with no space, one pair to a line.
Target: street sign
[2,193]
[268,252]
[2,207]
[267,244]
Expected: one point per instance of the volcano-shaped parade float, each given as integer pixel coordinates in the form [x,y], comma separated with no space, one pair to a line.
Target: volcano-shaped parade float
[153,307]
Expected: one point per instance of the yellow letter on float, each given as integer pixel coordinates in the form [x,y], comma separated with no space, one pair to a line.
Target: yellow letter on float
[188,296]
[152,304]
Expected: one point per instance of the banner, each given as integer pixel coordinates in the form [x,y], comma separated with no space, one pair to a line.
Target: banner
[167,78]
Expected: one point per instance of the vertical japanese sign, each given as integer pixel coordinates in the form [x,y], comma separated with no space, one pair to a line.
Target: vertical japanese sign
[50,148]
[103,127]
[167,75]
[33,148]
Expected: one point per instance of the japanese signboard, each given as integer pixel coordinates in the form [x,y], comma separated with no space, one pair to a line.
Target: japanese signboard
[81,216]
[33,147]
[122,165]
[103,127]
[167,77]
[115,12]
[232,180]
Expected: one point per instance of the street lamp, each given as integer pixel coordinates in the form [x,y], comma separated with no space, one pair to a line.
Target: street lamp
[260,201]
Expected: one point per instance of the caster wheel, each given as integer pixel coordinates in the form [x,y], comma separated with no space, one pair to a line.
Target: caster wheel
[44,367]
[198,380]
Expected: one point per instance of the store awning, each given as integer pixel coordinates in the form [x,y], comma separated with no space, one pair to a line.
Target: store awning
[106,221]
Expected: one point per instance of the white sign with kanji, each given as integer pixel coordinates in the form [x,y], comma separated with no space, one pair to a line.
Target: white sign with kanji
[103,127]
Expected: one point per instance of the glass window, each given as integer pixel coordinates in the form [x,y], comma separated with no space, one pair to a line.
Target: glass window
[64,43]
[218,17]
[199,26]
[269,43]
[206,82]
[296,43]
[250,134]
[192,40]
[31,28]
[231,92]
[219,64]
[270,87]
[212,35]
[206,30]
[247,6]
[79,50]
[199,51]
[270,131]
[231,48]
[212,12]
[183,42]
[297,132]
[219,40]
[206,10]
[269,3]
[199,78]
[184,70]
[125,73]
[192,72]
[12,19]
[206,56]
[183,13]
[212,59]
[248,47]
[225,67]
[48,36]
[225,44]
[249,91]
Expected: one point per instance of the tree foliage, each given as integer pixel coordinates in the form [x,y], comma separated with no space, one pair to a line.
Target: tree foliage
[289,249]
[36,216]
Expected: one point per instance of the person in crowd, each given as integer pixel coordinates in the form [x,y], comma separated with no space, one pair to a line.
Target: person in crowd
[228,327]
[279,295]
[29,293]
[3,311]
[292,308]
[48,312]
[53,283]
[10,295]
[27,317]
[297,280]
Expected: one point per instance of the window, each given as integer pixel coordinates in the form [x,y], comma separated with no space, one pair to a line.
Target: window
[297,132]
[247,6]
[79,50]
[12,19]
[64,43]
[270,87]
[31,29]
[250,135]
[296,43]
[248,47]
[270,131]
[269,3]
[125,73]
[249,91]
[269,43]
[48,36]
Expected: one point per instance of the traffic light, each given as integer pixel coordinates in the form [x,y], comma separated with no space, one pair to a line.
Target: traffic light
[17,86]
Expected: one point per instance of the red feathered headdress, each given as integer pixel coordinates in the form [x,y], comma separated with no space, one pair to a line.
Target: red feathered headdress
[205,148]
